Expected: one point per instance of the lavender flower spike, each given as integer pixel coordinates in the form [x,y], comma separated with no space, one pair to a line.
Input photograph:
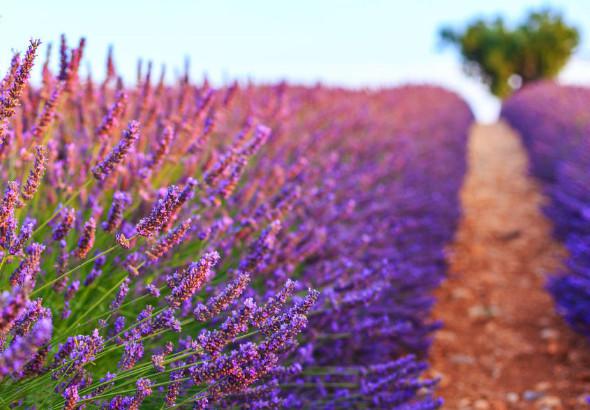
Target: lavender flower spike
[48,113]
[26,272]
[23,348]
[104,168]
[12,305]
[72,397]
[187,281]
[160,214]
[120,201]
[10,201]
[112,117]
[219,303]
[169,241]
[36,174]
[9,100]
[68,217]
[87,239]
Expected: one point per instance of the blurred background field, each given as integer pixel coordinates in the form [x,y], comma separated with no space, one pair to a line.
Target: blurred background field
[347,43]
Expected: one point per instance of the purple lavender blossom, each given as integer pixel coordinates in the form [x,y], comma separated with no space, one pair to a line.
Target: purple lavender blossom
[86,241]
[219,303]
[184,283]
[22,348]
[105,167]
[26,272]
[120,201]
[36,174]
[12,304]
[61,230]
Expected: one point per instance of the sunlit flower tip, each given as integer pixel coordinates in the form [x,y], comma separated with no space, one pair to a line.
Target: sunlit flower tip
[115,216]
[26,231]
[112,117]
[10,201]
[11,73]
[26,272]
[186,194]
[261,135]
[63,59]
[143,390]
[133,263]
[68,217]
[104,168]
[72,290]
[33,311]
[222,301]
[9,100]
[261,247]
[12,304]
[173,389]
[111,71]
[187,281]
[71,397]
[23,348]
[274,304]
[36,174]
[230,93]
[168,242]
[162,149]
[121,294]
[228,186]
[122,240]
[214,341]
[201,403]
[160,213]
[119,324]
[153,290]
[133,351]
[220,167]
[158,362]
[76,351]
[87,239]
[5,138]
[48,113]
[309,300]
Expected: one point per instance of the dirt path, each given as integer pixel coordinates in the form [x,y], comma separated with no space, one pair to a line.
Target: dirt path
[503,347]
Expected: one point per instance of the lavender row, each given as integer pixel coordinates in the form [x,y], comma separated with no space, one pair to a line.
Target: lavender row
[180,245]
[554,122]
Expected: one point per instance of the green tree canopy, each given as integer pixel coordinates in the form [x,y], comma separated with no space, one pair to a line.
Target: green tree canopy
[505,58]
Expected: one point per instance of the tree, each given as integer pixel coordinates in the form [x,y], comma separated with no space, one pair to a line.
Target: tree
[506,58]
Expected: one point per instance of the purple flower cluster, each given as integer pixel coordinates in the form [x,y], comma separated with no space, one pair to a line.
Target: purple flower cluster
[236,247]
[554,122]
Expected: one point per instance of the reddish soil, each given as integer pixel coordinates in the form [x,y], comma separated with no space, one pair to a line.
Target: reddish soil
[503,346]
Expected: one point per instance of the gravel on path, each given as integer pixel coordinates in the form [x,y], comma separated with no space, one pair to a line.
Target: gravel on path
[503,346]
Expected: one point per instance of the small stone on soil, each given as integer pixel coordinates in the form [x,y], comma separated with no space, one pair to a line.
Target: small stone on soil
[531,395]
[512,397]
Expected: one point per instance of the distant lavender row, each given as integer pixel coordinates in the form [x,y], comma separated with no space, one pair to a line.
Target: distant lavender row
[394,183]
[554,122]
[244,247]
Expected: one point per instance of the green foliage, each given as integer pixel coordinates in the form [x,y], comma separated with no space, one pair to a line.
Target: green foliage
[505,58]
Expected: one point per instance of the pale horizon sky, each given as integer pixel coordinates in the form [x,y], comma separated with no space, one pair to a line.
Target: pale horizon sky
[340,42]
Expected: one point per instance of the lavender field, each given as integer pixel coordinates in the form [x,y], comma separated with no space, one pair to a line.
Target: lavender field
[321,227]
[251,246]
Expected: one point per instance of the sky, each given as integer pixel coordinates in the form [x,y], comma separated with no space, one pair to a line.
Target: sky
[361,43]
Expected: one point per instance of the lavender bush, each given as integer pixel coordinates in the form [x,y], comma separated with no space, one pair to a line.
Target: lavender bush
[177,246]
[555,124]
